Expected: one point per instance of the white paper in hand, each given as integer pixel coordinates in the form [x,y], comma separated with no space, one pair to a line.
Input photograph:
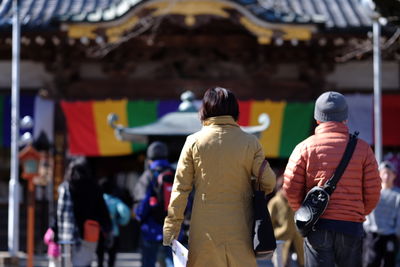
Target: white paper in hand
[179,253]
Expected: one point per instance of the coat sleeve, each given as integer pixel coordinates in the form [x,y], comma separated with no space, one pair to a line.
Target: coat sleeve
[294,182]
[183,184]
[273,212]
[371,182]
[268,178]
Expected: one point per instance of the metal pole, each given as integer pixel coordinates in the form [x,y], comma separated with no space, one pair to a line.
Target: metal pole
[14,188]
[377,90]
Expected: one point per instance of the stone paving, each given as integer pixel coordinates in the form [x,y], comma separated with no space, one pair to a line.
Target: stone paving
[123,260]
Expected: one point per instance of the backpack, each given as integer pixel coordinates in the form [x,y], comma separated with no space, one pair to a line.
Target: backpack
[123,213]
[160,193]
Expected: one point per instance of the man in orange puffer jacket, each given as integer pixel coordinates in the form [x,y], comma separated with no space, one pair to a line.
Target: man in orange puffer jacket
[337,240]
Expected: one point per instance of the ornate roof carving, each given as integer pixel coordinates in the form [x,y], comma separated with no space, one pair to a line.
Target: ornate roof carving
[334,14]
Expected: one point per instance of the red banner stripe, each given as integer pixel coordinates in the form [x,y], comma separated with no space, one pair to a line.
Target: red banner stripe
[244,113]
[81,128]
[391,120]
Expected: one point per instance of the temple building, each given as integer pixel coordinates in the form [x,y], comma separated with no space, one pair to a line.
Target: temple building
[84,59]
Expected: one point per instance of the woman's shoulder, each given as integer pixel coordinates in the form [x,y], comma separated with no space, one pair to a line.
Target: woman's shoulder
[193,138]
[250,139]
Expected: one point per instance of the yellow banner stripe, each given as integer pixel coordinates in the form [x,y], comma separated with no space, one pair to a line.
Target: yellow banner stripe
[271,138]
[109,145]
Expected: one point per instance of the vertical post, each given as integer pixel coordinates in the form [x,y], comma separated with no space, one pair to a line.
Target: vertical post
[30,237]
[377,90]
[49,159]
[13,197]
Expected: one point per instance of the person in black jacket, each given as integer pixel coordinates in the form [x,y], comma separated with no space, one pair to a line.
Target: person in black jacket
[88,206]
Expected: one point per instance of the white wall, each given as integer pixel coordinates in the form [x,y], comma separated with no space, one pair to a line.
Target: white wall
[33,75]
[359,76]
[356,75]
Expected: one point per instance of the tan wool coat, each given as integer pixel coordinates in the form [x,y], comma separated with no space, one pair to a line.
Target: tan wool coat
[218,162]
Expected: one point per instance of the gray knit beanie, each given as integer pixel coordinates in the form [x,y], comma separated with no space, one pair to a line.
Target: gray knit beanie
[331,106]
[387,164]
[157,150]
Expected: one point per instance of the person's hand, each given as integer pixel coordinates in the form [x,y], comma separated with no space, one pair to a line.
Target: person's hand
[168,238]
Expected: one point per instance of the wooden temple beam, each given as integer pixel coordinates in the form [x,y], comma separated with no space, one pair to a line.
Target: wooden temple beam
[234,41]
[172,88]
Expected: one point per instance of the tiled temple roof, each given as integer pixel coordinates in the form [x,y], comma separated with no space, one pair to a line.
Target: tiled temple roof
[334,14]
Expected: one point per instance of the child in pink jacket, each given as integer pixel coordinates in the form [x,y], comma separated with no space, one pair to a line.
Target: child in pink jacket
[53,250]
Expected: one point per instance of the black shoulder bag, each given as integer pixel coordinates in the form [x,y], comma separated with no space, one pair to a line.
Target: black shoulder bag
[264,242]
[317,198]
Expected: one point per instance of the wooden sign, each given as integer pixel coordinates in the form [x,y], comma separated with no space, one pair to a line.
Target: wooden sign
[30,158]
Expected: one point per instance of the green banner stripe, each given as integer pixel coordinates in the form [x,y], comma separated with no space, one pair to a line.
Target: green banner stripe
[2,120]
[296,126]
[141,113]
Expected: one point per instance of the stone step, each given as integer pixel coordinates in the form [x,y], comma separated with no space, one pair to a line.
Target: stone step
[123,260]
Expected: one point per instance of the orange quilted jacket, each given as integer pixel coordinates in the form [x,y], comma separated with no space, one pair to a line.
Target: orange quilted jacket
[314,161]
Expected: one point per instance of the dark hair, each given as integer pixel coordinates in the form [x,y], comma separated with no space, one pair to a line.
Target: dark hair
[219,101]
[77,172]
[107,185]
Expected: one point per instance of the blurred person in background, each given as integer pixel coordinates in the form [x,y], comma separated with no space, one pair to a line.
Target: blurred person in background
[152,193]
[382,227]
[282,217]
[120,215]
[82,214]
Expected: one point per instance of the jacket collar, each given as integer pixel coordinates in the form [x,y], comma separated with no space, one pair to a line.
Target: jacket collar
[331,126]
[219,120]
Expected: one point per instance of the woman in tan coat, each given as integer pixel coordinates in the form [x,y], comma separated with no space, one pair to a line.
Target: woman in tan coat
[218,161]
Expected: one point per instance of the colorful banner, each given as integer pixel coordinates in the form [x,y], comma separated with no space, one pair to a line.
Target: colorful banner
[44,124]
[88,130]
[90,135]
[290,124]
[296,126]
[40,110]
[26,109]
[136,110]
[361,115]
[391,120]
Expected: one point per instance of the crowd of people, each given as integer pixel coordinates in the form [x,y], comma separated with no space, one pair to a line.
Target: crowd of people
[211,188]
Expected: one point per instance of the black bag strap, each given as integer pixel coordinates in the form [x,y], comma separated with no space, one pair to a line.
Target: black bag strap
[260,173]
[330,185]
